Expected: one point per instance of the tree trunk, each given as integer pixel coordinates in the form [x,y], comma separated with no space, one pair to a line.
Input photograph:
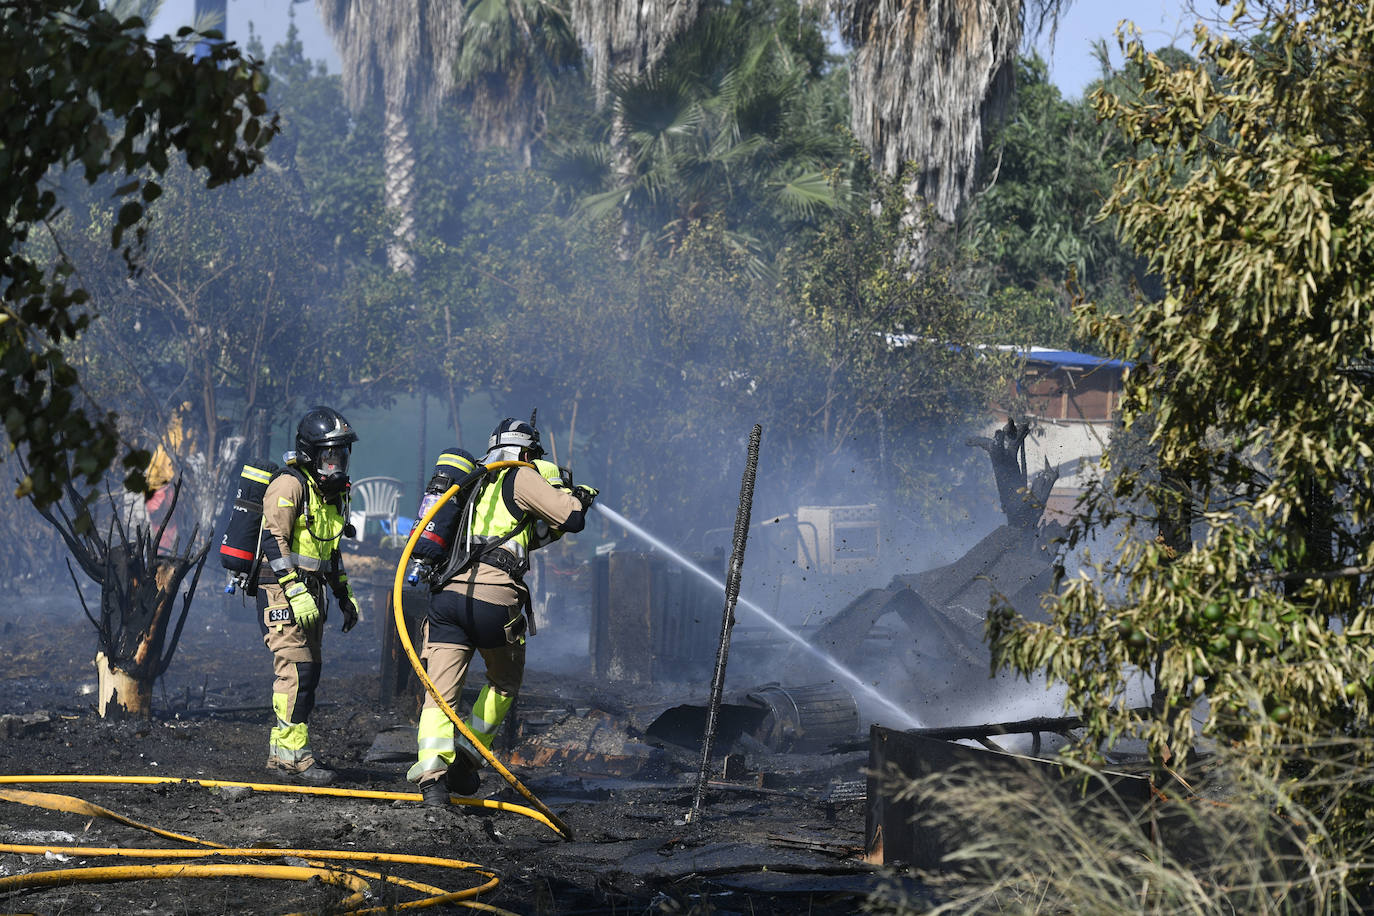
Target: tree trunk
[422,471]
[138,592]
[624,166]
[1316,527]
[137,598]
[572,430]
[455,401]
[122,695]
[399,156]
[1174,503]
[927,77]
[1022,502]
[1175,507]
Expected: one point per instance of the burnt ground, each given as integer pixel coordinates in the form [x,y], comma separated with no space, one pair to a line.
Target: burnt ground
[784,835]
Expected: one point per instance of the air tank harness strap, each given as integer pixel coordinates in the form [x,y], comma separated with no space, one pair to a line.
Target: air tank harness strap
[516,569]
[507,563]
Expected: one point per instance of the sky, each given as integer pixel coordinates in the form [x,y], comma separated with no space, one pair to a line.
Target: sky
[1161,23]
[1072,67]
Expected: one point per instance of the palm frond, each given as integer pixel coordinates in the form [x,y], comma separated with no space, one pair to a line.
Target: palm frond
[514,53]
[581,166]
[925,76]
[805,195]
[403,53]
[627,36]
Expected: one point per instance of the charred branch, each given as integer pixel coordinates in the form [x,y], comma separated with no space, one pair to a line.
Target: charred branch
[77,532]
[1023,502]
[138,591]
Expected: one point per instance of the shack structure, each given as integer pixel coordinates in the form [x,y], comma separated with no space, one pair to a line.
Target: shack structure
[1072,399]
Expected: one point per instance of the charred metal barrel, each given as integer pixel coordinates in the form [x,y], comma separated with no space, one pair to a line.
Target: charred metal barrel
[807,719]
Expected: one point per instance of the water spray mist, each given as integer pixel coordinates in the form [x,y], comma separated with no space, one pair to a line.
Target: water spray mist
[907,720]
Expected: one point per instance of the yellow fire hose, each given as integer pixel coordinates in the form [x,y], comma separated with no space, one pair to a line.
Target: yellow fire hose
[433,691]
[353,879]
[276,787]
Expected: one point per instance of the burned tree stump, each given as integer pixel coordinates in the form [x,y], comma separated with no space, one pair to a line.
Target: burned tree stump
[138,594]
[1023,501]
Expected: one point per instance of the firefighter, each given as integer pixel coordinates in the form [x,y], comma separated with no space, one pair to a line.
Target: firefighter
[304,515]
[484,608]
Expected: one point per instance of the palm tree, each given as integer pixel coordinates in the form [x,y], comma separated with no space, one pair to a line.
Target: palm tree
[513,53]
[731,126]
[926,77]
[403,52]
[627,37]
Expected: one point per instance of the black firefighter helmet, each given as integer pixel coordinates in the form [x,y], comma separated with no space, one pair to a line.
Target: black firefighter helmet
[323,442]
[513,433]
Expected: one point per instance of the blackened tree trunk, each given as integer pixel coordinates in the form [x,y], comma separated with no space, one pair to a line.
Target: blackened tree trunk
[1315,523]
[1022,500]
[1174,503]
[138,596]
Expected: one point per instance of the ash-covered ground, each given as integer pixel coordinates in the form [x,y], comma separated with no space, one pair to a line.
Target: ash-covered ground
[783,835]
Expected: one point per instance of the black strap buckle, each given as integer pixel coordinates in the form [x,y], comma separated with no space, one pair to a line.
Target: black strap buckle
[504,561]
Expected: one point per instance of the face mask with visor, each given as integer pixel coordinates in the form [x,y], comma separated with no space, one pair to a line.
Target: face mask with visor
[332,463]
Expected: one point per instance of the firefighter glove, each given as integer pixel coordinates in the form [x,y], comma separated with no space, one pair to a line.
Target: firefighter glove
[348,602]
[303,606]
[350,612]
[585,495]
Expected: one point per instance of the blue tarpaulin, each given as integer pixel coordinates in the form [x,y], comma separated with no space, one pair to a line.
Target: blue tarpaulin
[1034,354]
[1070,358]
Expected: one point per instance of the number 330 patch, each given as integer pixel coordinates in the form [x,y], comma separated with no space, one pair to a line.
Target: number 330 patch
[280,615]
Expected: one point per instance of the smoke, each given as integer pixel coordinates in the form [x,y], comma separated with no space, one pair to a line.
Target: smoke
[906,670]
[648,371]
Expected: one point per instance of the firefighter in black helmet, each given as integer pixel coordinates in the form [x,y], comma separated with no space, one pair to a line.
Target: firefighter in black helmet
[305,511]
[485,609]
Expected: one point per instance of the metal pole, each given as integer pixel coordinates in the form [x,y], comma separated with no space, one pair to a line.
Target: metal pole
[746,501]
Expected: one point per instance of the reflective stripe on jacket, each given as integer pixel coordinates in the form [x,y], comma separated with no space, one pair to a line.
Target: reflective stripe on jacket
[315,528]
[316,533]
[492,518]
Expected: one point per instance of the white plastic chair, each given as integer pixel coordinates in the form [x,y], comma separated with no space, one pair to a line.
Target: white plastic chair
[380,497]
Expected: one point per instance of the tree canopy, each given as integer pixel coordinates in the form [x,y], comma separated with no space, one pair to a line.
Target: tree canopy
[1239,579]
[1035,225]
[735,125]
[84,90]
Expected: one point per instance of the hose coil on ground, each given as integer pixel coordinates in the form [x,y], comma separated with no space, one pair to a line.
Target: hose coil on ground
[352,878]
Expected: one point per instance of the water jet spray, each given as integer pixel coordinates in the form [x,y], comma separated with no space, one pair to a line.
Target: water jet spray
[907,720]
